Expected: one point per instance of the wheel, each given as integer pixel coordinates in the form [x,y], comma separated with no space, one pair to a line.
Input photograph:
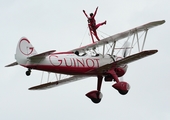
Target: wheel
[96,100]
[28,72]
[123,92]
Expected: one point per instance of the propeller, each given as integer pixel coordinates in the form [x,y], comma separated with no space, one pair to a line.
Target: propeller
[126,49]
[125,53]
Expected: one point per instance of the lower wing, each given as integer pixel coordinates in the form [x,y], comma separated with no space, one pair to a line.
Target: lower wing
[58,82]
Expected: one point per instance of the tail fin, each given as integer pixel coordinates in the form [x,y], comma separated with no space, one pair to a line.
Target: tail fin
[24,50]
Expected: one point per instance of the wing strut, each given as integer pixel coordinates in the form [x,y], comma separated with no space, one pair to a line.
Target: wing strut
[104,49]
[42,77]
[137,37]
[140,48]
[132,44]
[113,48]
[144,39]
[48,77]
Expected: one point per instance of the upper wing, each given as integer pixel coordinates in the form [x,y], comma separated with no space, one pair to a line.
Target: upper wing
[119,36]
[127,60]
[57,83]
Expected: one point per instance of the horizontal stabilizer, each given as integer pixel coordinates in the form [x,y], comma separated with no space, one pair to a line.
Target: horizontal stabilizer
[12,64]
[41,55]
[57,83]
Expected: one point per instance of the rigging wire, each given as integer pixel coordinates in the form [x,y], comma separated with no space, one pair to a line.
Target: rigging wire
[83,37]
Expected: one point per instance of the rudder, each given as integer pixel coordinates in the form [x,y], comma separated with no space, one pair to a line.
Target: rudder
[24,49]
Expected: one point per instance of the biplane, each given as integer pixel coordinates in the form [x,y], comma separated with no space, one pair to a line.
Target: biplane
[88,61]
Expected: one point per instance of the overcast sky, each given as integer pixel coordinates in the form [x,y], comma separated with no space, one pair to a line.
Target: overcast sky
[61,25]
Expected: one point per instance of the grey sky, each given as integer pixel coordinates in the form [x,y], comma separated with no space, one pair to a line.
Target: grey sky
[61,25]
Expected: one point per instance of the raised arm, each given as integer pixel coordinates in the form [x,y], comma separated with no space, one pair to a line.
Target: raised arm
[95,12]
[85,14]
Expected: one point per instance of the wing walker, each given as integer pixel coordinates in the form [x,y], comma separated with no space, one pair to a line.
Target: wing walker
[100,59]
[92,24]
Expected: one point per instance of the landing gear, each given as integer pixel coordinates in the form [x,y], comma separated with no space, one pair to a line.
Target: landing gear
[123,92]
[96,95]
[28,72]
[96,100]
[122,87]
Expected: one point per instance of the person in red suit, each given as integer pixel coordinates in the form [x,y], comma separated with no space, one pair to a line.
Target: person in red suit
[92,23]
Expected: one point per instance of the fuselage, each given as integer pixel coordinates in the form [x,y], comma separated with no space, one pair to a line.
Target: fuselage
[70,63]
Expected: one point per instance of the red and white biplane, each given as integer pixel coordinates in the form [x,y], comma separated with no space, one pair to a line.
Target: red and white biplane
[98,59]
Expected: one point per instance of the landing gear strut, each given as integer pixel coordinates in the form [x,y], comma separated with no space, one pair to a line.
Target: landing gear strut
[96,95]
[120,86]
[28,72]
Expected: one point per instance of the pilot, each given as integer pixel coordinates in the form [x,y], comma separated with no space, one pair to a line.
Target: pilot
[77,53]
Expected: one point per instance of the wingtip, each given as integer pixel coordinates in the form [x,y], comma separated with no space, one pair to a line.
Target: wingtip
[163,21]
[154,51]
[150,52]
[30,88]
[34,88]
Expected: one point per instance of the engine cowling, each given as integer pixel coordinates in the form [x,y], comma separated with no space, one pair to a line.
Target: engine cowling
[122,87]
